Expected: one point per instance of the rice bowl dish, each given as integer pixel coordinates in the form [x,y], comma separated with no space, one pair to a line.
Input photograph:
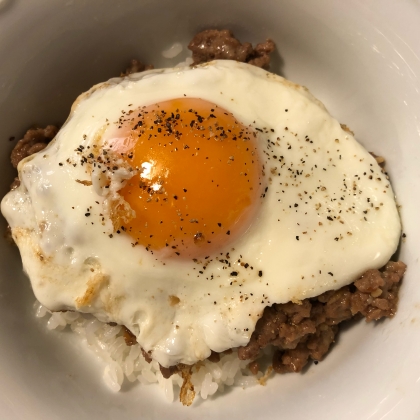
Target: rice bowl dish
[97,334]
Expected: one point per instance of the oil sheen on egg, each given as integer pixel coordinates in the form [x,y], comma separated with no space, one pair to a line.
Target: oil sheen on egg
[182,202]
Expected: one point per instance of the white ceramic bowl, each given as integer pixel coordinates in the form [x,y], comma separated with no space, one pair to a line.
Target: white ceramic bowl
[361,58]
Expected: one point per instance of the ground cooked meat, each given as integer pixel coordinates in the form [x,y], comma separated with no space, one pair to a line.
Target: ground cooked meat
[305,331]
[254,367]
[8,235]
[379,159]
[168,372]
[146,356]
[214,357]
[136,67]
[34,140]
[212,44]
[15,183]
[129,337]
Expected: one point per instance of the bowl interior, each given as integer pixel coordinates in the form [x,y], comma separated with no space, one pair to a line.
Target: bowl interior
[359,60]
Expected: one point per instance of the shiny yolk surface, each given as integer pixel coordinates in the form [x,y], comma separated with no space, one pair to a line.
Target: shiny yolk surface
[197,176]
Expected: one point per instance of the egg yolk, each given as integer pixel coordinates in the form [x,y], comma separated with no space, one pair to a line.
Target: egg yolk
[197,176]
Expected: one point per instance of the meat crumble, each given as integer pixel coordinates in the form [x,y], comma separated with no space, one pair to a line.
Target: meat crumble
[305,331]
[34,140]
[136,66]
[212,44]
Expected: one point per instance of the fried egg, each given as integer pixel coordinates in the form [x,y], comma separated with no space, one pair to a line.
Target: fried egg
[182,202]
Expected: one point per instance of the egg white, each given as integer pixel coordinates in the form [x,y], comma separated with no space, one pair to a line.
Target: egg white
[328,214]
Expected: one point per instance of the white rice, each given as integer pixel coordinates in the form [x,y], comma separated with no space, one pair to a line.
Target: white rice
[124,362]
[187,62]
[173,50]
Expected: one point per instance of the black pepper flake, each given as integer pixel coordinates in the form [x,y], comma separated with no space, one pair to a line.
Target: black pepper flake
[260,273]
[228,232]
[234,273]
[331,274]
[87,214]
[404,235]
[297,238]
